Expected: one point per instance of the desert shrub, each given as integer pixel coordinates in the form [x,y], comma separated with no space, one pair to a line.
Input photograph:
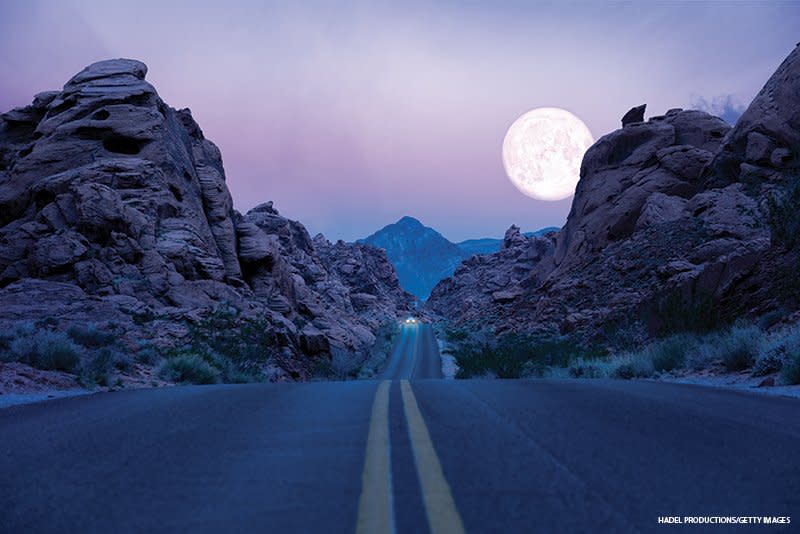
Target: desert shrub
[147,354]
[738,346]
[44,349]
[89,336]
[790,372]
[674,314]
[768,362]
[122,361]
[585,369]
[703,354]
[781,351]
[96,370]
[628,367]
[344,364]
[626,334]
[232,347]
[228,371]
[502,362]
[670,353]
[243,340]
[515,355]
[455,336]
[533,369]
[784,217]
[189,368]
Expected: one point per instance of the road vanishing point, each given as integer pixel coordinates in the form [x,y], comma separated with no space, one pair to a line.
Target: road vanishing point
[408,452]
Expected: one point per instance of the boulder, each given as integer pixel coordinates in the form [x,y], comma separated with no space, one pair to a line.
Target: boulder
[635,114]
[767,134]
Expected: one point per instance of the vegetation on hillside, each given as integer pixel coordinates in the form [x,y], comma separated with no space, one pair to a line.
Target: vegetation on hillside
[737,348]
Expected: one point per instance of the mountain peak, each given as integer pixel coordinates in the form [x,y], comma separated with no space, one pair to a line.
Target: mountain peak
[409,221]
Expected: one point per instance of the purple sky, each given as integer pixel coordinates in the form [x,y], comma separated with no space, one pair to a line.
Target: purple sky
[351,114]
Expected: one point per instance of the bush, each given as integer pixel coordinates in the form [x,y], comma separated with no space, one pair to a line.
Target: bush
[96,369]
[243,340]
[503,362]
[630,367]
[44,349]
[783,349]
[189,368]
[768,362]
[89,336]
[784,216]
[585,369]
[147,354]
[790,372]
[533,369]
[739,347]
[455,336]
[675,314]
[670,353]
[704,354]
[515,356]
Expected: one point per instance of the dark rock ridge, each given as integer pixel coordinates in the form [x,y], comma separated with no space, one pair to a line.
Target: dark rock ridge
[114,207]
[635,114]
[488,245]
[677,215]
[422,256]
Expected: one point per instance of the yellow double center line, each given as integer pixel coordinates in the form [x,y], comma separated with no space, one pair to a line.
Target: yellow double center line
[376,509]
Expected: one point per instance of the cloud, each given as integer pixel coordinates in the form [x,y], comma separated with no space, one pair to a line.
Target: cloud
[726,107]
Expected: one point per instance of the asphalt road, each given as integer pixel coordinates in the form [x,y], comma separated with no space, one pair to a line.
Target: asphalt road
[423,455]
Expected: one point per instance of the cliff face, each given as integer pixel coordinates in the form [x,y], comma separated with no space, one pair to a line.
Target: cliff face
[483,285]
[114,207]
[677,212]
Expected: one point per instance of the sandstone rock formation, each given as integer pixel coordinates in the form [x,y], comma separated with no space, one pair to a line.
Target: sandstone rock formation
[635,114]
[114,207]
[679,213]
[486,287]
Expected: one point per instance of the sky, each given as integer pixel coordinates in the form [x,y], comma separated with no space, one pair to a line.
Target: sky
[351,114]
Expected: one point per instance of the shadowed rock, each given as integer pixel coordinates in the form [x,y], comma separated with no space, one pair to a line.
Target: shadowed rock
[118,203]
[635,114]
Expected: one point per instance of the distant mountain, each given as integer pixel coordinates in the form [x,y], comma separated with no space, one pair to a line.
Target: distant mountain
[422,256]
[489,245]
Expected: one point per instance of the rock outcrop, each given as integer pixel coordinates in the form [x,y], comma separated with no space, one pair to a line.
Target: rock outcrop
[115,205]
[635,114]
[677,212]
[485,287]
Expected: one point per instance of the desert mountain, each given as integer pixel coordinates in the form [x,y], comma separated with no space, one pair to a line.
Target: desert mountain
[677,222]
[422,256]
[114,210]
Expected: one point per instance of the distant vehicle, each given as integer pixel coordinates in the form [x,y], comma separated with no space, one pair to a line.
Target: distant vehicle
[411,320]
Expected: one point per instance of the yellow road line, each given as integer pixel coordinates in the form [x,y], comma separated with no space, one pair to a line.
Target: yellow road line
[375,508]
[440,507]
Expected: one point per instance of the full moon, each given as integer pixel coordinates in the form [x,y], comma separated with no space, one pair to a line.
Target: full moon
[543,150]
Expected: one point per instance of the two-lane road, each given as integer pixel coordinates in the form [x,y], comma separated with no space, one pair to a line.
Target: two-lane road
[406,453]
[415,355]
